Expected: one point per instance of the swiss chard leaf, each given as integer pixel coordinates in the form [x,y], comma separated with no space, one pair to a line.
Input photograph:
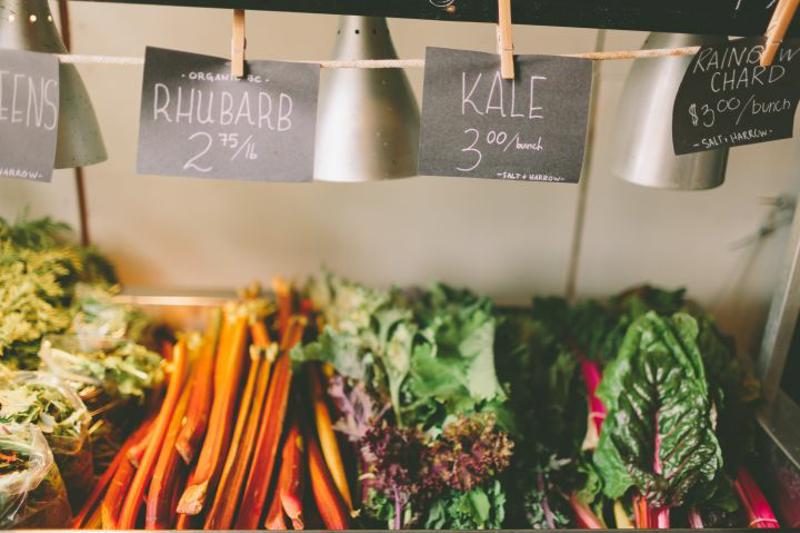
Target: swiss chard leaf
[658,436]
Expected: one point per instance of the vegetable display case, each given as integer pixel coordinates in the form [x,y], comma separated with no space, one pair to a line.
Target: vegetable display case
[638,360]
[330,404]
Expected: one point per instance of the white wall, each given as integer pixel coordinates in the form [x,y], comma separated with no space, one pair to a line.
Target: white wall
[510,240]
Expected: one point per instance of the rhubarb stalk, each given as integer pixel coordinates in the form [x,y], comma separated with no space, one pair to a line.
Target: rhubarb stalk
[276,521]
[84,516]
[215,446]
[260,474]
[245,456]
[290,477]
[133,500]
[222,510]
[194,429]
[136,451]
[160,510]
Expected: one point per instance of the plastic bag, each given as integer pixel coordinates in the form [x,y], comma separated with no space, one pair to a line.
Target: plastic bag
[121,368]
[32,493]
[111,376]
[99,317]
[44,400]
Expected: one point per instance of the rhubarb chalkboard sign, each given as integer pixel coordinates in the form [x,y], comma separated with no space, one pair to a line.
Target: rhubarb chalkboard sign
[477,125]
[728,99]
[28,114]
[198,120]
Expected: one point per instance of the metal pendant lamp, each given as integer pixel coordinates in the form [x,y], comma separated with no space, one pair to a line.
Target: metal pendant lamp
[368,126]
[28,25]
[644,154]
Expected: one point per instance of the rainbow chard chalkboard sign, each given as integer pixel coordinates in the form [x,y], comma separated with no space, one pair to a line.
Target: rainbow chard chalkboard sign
[728,99]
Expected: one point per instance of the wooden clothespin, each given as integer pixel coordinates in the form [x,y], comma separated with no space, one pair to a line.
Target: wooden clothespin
[505,42]
[778,24]
[238,44]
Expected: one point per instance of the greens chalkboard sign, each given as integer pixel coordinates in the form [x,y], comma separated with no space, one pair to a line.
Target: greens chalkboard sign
[728,99]
[476,124]
[198,120]
[29,97]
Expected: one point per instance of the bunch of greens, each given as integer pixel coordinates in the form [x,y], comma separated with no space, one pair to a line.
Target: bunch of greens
[39,269]
[112,377]
[120,369]
[32,494]
[549,402]
[98,317]
[552,358]
[675,338]
[419,387]
[43,400]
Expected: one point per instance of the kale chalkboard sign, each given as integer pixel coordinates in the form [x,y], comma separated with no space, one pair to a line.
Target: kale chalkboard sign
[728,99]
[198,120]
[29,97]
[475,124]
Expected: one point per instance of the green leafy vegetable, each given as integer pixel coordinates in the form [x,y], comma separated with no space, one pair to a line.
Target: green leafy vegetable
[480,508]
[39,269]
[659,435]
[121,368]
[32,494]
[43,400]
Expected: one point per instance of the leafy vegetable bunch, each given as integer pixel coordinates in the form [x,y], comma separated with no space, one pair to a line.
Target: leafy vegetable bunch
[419,395]
[32,494]
[39,399]
[43,400]
[677,400]
[121,369]
[39,269]
[548,397]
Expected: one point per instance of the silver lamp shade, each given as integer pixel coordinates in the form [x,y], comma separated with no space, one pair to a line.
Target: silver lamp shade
[28,25]
[644,154]
[368,125]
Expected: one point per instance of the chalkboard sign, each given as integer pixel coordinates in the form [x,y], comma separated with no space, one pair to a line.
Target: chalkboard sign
[477,125]
[728,99]
[198,120]
[29,95]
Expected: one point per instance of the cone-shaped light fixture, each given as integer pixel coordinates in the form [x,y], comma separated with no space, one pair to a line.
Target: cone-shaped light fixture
[28,25]
[644,153]
[368,126]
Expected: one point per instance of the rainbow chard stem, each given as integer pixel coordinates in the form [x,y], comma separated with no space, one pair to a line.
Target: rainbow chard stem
[583,513]
[695,520]
[758,508]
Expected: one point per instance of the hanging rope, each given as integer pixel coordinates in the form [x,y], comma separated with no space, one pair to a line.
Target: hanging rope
[398,63]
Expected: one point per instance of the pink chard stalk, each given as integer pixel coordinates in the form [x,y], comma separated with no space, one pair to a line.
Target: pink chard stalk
[590,371]
[758,509]
[597,411]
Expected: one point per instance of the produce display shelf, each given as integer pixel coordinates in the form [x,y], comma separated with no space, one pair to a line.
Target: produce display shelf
[778,435]
[722,17]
